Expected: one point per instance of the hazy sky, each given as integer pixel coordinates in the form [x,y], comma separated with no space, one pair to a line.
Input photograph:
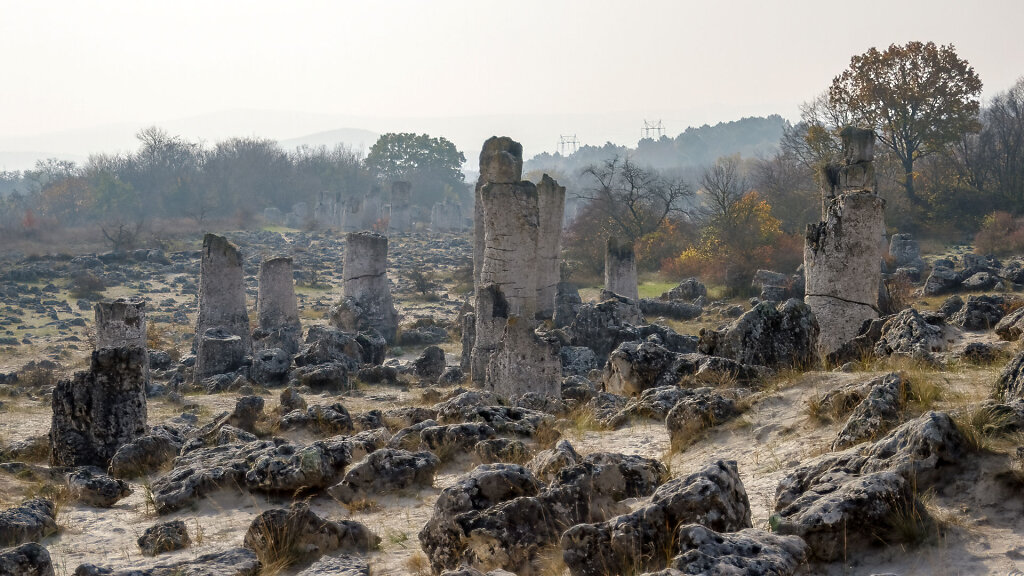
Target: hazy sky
[69,65]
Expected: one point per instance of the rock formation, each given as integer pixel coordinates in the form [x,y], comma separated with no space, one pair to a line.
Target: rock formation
[366,301]
[121,323]
[277,310]
[222,313]
[446,217]
[98,411]
[620,268]
[401,207]
[843,253]
[515,255]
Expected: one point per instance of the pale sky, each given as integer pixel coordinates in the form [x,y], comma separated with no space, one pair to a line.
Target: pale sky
[596,68]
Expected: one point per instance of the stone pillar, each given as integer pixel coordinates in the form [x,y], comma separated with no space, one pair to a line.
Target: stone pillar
[620,269]
[843,253]
[370,219]
[121,322]
[366,301]
[351,217]
[501,162]
[277,310]
[551,210]
[401,207]
[221,299]
[98,411]
[276,306]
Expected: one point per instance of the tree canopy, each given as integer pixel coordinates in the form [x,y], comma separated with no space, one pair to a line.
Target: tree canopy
[432,165]
[919,98]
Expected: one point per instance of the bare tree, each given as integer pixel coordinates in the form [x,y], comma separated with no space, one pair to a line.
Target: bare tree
[638,200]
[723,185]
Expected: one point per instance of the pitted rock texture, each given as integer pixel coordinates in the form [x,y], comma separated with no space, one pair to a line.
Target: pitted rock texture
[222,291]
[782,335]
[876,414]
[98,411]
[386,470]
[91,487]
[713,497]
[164,537]
[701,550]
[909,334]
[309,536]
[366,302]
[33,520]
[30,559]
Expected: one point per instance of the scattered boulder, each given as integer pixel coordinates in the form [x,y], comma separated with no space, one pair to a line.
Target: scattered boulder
[942,280]
[500,450]
[430,364]
[1011,326]
[270,366]
[701,409]
[1010,385]
[340,565]
[147,453]
[30,559]
[232,562]
[876,414]
[908,333]
[688,290]
[670,309]
[33,520]
[89,486]
[713,497]
[308,536]
[701,550]
[164,537]
[770,335]
[979,313]
[386,470]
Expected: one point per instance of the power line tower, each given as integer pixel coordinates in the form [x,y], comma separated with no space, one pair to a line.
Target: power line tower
[568,143]
[653,126]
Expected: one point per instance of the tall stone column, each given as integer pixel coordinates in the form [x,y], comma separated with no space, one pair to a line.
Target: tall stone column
[843,253]
[401,207]
[277,310]
[620,268]
[366,301]
[501,162]
[222,311]
[551,211]
[276,306]
[121,322]
[98,411]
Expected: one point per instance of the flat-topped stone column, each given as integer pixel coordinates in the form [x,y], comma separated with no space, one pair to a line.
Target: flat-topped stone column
[620,268]
[366,301]
[221,302]
[120,322]
[501,162]
[276,306]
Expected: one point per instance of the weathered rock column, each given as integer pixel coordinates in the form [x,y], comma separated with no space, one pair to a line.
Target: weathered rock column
[501,162]
[98,411]
[277,310]
[221,303]
[401,207]
[366,301]
[121,322]
[446,217]
[551,210]
[508,357]
[351,217]
[371,209]
[842,254]
[620,269]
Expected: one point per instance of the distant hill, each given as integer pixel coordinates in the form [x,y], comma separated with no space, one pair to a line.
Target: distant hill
[355,138]
[694,147]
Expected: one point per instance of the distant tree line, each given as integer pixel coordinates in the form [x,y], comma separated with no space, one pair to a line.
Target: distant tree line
[172,177]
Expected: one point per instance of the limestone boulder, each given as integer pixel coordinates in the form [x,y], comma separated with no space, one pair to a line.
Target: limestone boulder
[429,364]
[979,313]
[386,470]
[1010,385]
[701,409]
[908,333]
[338,565]
[91,487]
[309,535]
[876,414]
[701,550]
[164,537]
[231,562]
[1011,326]
[782,335]
[30,559]
[942,280]
[688,290]
[30,521]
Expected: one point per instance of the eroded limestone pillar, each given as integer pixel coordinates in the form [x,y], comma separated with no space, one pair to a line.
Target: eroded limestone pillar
[551,211]
[276,306]
[620,268]
[121,322]
[501,162]
[366,297]
[401,207]
[221,301]
[842,254]
[98,411]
